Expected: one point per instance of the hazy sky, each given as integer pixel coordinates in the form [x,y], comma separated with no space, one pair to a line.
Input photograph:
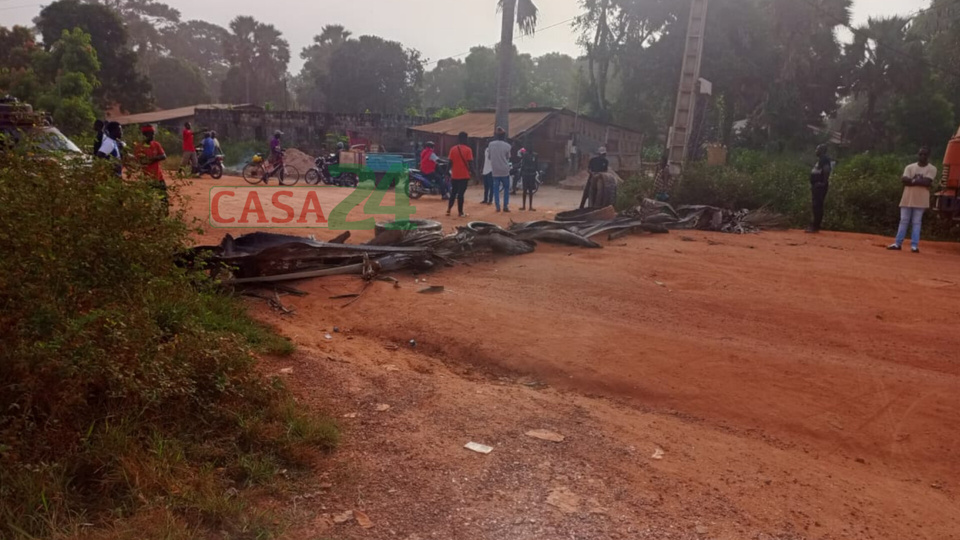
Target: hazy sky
[438,29]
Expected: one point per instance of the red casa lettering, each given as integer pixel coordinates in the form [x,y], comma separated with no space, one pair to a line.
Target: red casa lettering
[312,205]
[281,206]
[215,207]
[253,206]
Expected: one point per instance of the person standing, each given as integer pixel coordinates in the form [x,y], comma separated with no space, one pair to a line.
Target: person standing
[189,149]
[112,146]
[461,163]
[97,136]
[487,178]
[917,179]
[529,167]
[819,186]
[150,153]
[599,164]
[499,151]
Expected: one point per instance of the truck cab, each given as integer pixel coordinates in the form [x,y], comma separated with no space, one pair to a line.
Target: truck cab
[18,121]
[947,200]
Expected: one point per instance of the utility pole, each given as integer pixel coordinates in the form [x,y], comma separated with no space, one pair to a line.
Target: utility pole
[679,136]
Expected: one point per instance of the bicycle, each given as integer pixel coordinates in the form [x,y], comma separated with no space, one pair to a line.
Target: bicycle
[256,172]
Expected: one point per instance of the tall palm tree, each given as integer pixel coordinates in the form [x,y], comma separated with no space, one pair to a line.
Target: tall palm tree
[524,14]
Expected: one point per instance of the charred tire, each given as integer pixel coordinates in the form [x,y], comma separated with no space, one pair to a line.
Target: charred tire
[482,227]
[420,225]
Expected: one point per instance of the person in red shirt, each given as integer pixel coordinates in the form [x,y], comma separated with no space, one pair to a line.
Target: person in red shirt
[461,162]
[150,153]
[428,166]
[189,149]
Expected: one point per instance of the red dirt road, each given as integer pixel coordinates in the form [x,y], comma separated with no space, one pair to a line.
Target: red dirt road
[801,387]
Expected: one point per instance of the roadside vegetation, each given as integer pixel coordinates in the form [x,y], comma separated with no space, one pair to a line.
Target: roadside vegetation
[130,393]
[864,190]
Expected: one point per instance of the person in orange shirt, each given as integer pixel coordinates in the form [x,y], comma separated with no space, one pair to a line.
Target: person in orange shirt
[461,163]
[150,153]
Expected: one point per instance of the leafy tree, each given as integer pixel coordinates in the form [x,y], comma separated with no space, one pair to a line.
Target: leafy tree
[481,78]
[523,14]
[310,84]
[258,57]
[121,82]
[553,80]
[445,85]
[148,22]
[64,80]
[17,46]
[371,73]
[201,44]
[177,83]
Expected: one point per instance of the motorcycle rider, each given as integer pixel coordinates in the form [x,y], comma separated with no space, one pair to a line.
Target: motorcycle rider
[428,166]
[208,150]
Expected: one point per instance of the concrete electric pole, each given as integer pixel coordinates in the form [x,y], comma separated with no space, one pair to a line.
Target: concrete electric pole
[679,136]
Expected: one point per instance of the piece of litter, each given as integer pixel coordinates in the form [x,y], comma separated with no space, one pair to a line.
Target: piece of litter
[336,329]
[657,454]
[564,500]
[479,448]
[413,343]
[545,435]
[350,415]
[362,519]
[391,367]
[343,517]
[327,336]
[660,283]
[286,370]
[391,347]
[436,289]
[383,407]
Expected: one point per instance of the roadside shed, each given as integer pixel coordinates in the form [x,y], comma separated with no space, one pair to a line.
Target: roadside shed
[564,140]
[173,119]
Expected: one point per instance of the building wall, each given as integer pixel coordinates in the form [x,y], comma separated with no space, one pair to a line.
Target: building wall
[308,130]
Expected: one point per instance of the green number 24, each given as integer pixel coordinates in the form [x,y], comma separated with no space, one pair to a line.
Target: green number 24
[401,210]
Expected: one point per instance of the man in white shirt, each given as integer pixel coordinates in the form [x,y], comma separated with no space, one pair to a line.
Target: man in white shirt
[499,151]
[487,178]
[917,179]
[112,146]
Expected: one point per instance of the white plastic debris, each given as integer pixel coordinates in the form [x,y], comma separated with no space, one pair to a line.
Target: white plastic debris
[478,448]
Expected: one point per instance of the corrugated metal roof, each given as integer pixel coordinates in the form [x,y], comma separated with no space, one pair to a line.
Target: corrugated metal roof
[480,125]
[169,114]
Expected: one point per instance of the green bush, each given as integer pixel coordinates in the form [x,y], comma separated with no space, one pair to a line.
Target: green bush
[864,195]
[124,375]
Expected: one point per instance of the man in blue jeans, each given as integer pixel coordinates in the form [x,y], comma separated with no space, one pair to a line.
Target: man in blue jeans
[499,151]
[917,179]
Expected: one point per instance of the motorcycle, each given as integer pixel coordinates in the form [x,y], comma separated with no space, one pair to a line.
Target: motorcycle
[212,166]
[321,173]
[420,184]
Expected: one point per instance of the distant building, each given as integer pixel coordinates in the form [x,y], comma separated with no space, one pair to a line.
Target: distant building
[173,119]
[563,140]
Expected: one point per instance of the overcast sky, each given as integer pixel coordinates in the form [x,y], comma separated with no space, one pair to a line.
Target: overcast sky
[436,28]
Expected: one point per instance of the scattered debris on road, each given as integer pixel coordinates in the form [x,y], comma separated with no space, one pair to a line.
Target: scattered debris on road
[362,519]
[545,435]
[478,448]
[657,454]
[564,500]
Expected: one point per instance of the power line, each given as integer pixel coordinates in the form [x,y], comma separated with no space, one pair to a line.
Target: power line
[539,30]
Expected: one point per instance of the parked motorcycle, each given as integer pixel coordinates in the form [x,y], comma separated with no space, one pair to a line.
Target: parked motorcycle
[420,184]
[321,173]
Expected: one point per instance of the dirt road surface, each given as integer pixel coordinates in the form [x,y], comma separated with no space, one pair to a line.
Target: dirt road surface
[771,386]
